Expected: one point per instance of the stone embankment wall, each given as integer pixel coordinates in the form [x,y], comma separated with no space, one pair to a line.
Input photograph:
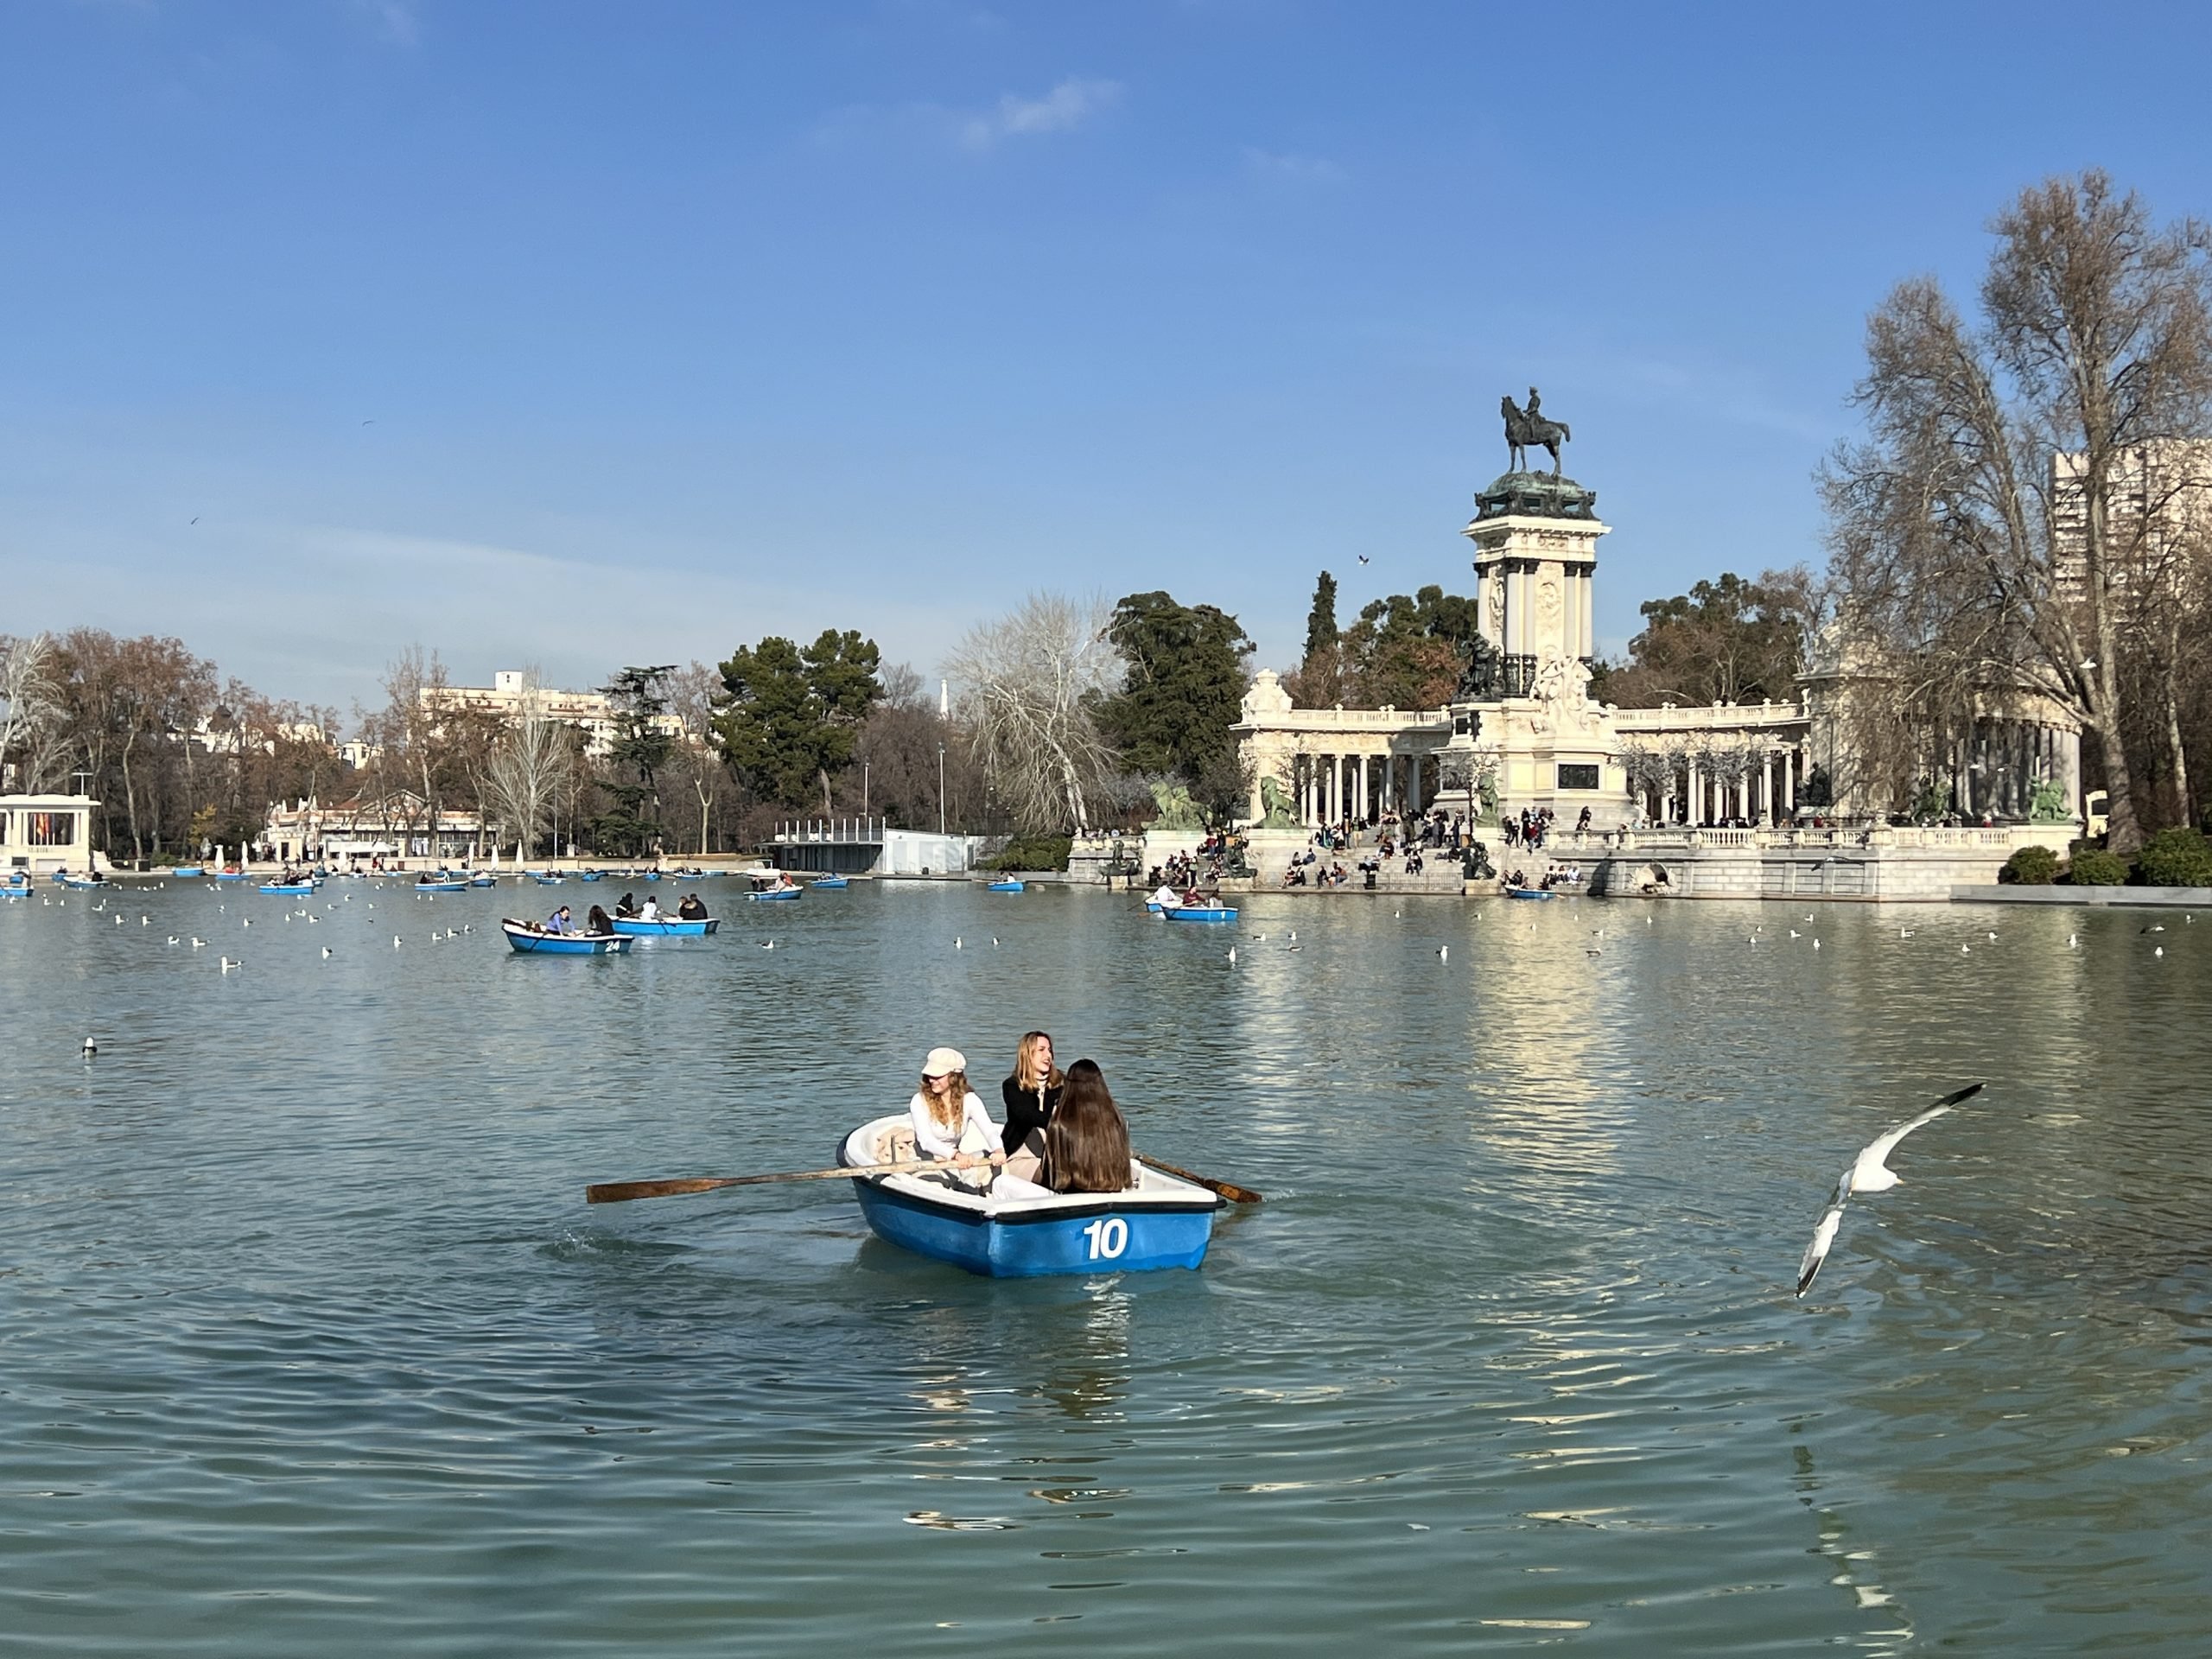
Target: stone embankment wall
[2154,898]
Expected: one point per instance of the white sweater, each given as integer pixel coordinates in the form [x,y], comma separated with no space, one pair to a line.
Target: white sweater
[977,1132]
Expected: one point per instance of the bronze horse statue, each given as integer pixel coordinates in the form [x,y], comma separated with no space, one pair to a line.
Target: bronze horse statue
[1524,429]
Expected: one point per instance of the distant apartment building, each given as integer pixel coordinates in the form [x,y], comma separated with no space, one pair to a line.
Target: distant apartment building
[2159,512]
[512,695]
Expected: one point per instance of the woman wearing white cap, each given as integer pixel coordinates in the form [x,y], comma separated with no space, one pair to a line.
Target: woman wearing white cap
[949,1118]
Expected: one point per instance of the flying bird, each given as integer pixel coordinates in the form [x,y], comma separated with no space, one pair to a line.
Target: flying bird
[1869,1173]
[1363,558]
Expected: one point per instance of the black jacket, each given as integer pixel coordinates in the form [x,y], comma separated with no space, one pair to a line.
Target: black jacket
[1024,1114]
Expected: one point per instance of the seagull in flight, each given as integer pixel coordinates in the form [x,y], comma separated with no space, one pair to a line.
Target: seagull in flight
[1869,1173]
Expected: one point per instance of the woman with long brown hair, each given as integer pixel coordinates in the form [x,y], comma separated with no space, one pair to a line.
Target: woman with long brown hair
[1087,1141]
[1030,1096]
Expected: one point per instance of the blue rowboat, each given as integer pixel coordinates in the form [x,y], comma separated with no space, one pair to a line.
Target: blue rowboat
[1161,1222]
[777,893]
[189,869]
[288,887]
[833,883]
[667,927]
[483,880]
[441,887]
[591,876]
[12,892]
[1527,892]
[549,880]
[531,939]
[1007,887]
[230,875]
[652,875]
[1199,913]
[85,881]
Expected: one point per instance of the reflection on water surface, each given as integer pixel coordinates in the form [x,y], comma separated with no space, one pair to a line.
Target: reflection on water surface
[309,1332]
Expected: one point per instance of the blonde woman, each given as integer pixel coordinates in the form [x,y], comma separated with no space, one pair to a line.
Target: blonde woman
[948,1117]
[1030,1097]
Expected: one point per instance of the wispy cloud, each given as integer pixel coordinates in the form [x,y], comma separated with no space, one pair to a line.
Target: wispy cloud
[1067,106]
[393,19]
[1283,168]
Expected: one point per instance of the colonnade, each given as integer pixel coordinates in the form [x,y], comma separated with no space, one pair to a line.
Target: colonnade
[1330,788]
[1764,792]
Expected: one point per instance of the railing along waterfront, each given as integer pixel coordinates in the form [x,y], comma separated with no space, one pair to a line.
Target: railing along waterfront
[843,832]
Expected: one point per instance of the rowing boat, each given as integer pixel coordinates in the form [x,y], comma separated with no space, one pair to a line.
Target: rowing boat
[1527,892]
[532,940]
[667,927]
[1199,913]
[833,883]
[777,893]
[1007,887]
[288,887]
[1161,1222]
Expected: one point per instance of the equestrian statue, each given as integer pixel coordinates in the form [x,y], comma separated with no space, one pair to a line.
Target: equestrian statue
[1523,430]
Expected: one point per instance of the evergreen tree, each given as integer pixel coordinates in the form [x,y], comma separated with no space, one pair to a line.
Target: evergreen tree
[791,715]
[640,748]
[1321,634]
[1183,688]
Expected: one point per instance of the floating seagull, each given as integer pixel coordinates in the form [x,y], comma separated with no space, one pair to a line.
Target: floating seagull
[2156,927]
[1795,934]
[1992,932]
[1905,932]
[1443,953]
[395,941]
[172,938]
[1965,949]
[327,953]
[955,945]
[768,945]
[196,944]
[2158,950]
[2073,942]
[228,964]
[1869,1173]
[1816,944]
[91,1048]
[1232,953]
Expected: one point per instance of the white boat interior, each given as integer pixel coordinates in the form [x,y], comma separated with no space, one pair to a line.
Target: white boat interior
[891,1140]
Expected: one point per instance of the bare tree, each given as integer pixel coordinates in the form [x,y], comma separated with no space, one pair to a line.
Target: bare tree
[31,743]
[1029,683]
[529,769]
[692,692]
[2004,524]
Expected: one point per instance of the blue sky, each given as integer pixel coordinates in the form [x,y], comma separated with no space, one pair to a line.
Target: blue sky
[587,334]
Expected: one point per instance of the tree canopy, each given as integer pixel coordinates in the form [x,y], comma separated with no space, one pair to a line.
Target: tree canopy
[791,715]
[1182,687]
[640,748]
[1410,653]
[1732,640]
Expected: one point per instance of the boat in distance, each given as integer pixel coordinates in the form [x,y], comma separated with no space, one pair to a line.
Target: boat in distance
[288,887]
[777,893]
[1007,887]
[666,927]
[1161,1222]
[833,883]
[1527,892]
[441,887]
[1200,913]
[531,939]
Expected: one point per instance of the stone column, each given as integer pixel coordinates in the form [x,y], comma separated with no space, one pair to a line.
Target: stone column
[1413,783]
[1695,804]
[1332,792]
[1364,762]
[1744,795]
[1766,788]
[1788,785]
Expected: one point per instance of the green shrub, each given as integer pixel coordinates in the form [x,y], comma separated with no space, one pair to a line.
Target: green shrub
[1033,853]
[2176,858]
[2092,866]
[2030,867]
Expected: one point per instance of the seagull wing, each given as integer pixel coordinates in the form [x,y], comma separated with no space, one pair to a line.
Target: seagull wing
[1817,1251]
[1879,1151]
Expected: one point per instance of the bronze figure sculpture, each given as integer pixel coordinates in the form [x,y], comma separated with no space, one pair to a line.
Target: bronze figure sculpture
[1522,430]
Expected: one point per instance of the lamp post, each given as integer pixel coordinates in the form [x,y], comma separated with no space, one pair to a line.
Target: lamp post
[940,789]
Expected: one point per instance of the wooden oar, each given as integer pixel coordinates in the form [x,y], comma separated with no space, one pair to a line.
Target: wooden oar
[623,1192]
[1229,1190]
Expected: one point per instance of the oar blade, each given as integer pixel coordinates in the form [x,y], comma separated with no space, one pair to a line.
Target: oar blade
[623,1192]
[1229,1190]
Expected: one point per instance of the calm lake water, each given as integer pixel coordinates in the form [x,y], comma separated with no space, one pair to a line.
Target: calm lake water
[308,1342]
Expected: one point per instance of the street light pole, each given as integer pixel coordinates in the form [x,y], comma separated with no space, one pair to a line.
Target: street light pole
[940,789]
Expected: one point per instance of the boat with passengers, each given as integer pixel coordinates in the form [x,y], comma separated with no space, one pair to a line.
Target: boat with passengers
[1161,1221]
[535,938]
